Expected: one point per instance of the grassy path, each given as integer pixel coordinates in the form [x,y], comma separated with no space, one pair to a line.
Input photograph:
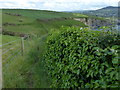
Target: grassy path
[37,76]
[25,71]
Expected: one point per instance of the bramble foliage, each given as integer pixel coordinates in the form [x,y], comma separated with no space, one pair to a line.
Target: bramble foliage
[79,57]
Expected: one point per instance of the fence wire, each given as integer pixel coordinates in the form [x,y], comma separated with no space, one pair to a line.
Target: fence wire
[8,49]
[12,55]
[9,43]
[14,50]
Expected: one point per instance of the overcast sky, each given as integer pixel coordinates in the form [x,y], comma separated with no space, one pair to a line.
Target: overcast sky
[58,5]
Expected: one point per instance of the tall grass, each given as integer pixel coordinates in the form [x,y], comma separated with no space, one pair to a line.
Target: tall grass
[27,71]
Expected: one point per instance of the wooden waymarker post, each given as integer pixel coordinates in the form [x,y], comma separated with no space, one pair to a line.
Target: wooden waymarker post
[22,45]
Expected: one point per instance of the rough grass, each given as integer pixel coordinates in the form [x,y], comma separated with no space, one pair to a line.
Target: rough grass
[78,15]
[41,14]
[11,47]
[7,38]
[28,71]
[16,19]
[41,27]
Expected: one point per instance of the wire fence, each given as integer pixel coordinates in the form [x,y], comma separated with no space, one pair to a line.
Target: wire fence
[7,51]
[12,55]
[9,43]
[12,49]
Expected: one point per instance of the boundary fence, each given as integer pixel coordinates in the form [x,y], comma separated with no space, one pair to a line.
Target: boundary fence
[18,51]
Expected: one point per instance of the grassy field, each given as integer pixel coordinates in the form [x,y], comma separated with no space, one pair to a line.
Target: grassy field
[7,38]
[41,14]
[9,48]
[38,22]
[27,71]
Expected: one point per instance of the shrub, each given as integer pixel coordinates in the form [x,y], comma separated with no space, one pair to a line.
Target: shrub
[79,57]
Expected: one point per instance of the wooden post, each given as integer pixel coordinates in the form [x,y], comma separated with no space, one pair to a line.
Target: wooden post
[22,45]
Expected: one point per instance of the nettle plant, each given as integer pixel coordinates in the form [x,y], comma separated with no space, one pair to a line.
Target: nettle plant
[79,57]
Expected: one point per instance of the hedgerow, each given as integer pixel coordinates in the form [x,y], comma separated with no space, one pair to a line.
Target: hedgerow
[79,57]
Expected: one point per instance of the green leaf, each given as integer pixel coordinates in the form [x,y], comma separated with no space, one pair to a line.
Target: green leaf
[115,61]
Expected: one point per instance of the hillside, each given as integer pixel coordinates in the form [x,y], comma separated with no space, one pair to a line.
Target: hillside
[32,39]
[23,21]
[109,11]
[26,70]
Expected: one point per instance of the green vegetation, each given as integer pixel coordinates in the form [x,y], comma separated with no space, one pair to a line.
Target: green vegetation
[39,22]
[30,69]
[82,58]
[99,18]
[109,11]
[42,27]
[0,39]
[78,15]
[22,71]
[8,38]
[41,14]
[10,46]
[27,70]
[16,19]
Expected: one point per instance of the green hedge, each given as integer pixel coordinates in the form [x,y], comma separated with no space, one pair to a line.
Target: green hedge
[79,57]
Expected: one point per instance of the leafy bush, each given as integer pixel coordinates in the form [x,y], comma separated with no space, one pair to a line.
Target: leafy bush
[79,57]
